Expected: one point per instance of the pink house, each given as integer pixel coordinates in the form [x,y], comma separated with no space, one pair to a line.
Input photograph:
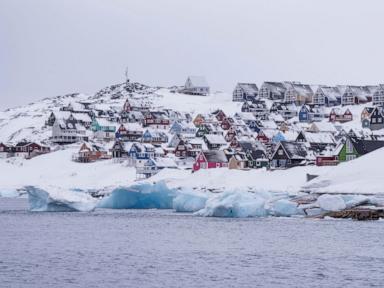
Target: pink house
[210,159]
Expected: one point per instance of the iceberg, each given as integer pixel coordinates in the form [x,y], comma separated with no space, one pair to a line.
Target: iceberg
[59,201]
[9,193]
[235,204]
[140,196]
[286,208]
[331,202]
[189,201]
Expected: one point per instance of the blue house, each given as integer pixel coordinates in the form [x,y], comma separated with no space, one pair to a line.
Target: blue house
[141,152]
[155,137]
[304,114]
[278,137]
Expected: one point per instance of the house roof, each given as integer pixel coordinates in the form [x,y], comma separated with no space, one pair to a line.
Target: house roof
[363,146]
[215,156]
[215,139]
[198,81]
[295,150]
[248,88]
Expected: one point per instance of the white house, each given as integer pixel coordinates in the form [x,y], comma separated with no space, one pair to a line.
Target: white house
[244,92]
[64,132]
[196,85]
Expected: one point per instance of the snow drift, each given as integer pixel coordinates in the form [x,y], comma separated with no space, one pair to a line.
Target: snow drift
[360,176]
[59,201]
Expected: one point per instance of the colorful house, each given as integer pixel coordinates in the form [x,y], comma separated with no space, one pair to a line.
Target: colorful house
[210,159]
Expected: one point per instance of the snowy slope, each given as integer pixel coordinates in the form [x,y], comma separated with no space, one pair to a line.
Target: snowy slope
[57,170]
[362,175]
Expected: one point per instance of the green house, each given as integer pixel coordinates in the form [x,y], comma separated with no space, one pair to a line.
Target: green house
[202,130]
[354,147]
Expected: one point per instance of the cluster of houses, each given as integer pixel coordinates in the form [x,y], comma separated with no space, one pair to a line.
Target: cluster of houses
[280,125]
[314,95]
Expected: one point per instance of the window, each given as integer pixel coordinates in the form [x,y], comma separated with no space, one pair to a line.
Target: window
[379,120]
[280,152]
[373,120]
[349,147]
[350,157]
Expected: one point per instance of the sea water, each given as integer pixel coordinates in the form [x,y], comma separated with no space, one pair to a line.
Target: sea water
[161,248]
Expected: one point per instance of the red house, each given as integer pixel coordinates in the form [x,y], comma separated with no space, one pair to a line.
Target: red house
[127,106]
[326,160]
[225,124]
[30,149]
[210,159]
[265,136]
[157,120]
[220,115]
[338,115]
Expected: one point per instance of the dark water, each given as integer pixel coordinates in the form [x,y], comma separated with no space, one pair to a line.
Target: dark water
[110,248]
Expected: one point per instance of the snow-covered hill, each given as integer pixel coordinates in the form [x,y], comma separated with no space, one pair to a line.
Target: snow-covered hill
[28,122]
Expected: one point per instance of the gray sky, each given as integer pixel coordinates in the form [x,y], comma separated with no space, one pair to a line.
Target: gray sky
[52,47]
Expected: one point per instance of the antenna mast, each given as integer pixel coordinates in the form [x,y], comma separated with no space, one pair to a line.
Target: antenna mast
[126,75]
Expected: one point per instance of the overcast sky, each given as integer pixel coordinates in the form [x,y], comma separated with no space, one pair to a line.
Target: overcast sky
[53,47]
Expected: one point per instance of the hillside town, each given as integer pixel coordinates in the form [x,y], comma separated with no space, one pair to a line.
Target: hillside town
[277,126]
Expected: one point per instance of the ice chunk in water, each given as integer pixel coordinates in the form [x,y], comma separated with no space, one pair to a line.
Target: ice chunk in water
[284,207]
[331,202]
[189,201]
[59,201]
[235,204]
[140,196]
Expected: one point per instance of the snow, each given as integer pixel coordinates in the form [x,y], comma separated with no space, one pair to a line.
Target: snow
[360,176]
[331,202]
[57,169]
[59,200]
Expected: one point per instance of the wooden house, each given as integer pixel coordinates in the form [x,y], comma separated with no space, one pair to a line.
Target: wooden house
[373,118]
[317,141]
[273,90]
[198,120]
[156,120]
[103,129]
[287,111]
[219,115]
[66,132]
[298,93]
[6,151]
[289,154]
[245,92]
[238,161]
[210,159]
[230,134]
[129,132]
[182,149]
[90,153]
[119,150]
[154,137]
[327,96]
[378,96]
[29,149]
[182,128]
[196,85]
[340,115]
[354,147]
[214,142]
